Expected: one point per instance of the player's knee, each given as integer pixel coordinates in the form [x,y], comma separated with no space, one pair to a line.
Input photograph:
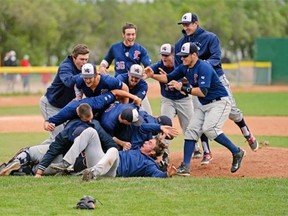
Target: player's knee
[191,135]
[236,116]
[211,133]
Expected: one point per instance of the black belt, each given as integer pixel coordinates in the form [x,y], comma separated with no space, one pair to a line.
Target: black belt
[214,100]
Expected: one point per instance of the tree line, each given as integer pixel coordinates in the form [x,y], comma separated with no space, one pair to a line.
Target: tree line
[48,29]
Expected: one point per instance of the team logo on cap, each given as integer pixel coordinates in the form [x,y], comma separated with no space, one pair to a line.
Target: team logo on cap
[87,70]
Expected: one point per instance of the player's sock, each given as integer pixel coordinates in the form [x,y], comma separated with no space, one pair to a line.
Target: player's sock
[23,157]
[205,144]
[189,146]
[223,140]
[243,127]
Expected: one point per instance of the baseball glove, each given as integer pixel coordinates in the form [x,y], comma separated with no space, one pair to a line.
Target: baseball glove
[86,202]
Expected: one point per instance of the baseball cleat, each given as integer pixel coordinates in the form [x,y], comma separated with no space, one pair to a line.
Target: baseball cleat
[183,170]
[253,143]
[62,166]
[88,175]
[206,159]
[12,166]
[237,159]
[197,154]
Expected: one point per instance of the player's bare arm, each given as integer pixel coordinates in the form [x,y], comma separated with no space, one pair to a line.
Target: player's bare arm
[126,145]
[159,77]
[103,67]
[120,94]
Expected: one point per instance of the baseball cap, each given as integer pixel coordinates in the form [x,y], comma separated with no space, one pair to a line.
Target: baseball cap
[188,48]
[188,18]
[136,70]
[88,70]
[166,49]
[132,116]
[164,120]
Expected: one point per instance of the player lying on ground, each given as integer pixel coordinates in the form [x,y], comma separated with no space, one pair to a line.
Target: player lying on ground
[131,163]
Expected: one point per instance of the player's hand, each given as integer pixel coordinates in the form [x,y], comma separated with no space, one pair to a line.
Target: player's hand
[169,131]
[49,126]
[38,174]
[126,146]
[149,72]
[162,71]
[137,101]
[102,70]
[171,170]
[174,84]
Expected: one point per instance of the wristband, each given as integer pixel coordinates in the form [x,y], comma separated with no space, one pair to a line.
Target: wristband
[186,89]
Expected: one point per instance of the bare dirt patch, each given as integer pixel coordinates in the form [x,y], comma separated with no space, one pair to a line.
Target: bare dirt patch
[266,162]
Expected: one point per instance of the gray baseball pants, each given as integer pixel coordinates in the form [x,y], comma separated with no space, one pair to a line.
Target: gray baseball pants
[101,164]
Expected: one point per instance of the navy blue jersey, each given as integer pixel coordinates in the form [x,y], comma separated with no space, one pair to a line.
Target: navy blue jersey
[106,83]
[61,91]
[165,91]
[109,118]
[97,103]
[209,44]
[137,135]
[201,75]
[140,90]
[126,56]
[135,164]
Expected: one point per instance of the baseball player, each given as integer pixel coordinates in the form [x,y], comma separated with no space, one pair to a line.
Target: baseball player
[132,137]
[61,90]
[118,115]
[91,84]
[210,51]
[137,86]
[98,104]
[125,53]
[132,163]
[31,156]
[173,102]
[215,106]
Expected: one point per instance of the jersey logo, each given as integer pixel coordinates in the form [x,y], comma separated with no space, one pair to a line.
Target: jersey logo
[136,55]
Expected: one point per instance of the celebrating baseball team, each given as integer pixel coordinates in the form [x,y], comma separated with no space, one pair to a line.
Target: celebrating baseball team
[103,126]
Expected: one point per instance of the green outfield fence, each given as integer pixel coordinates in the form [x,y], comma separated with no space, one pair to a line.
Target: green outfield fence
[239,74]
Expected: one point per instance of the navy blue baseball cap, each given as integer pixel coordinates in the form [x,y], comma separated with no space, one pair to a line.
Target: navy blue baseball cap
[132,116]
[188,18]
[164,120]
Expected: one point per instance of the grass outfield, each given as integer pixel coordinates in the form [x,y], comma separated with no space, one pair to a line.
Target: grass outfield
[147,196]
[251,104]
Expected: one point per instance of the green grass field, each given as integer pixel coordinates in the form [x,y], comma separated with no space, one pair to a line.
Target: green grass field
[147,196]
